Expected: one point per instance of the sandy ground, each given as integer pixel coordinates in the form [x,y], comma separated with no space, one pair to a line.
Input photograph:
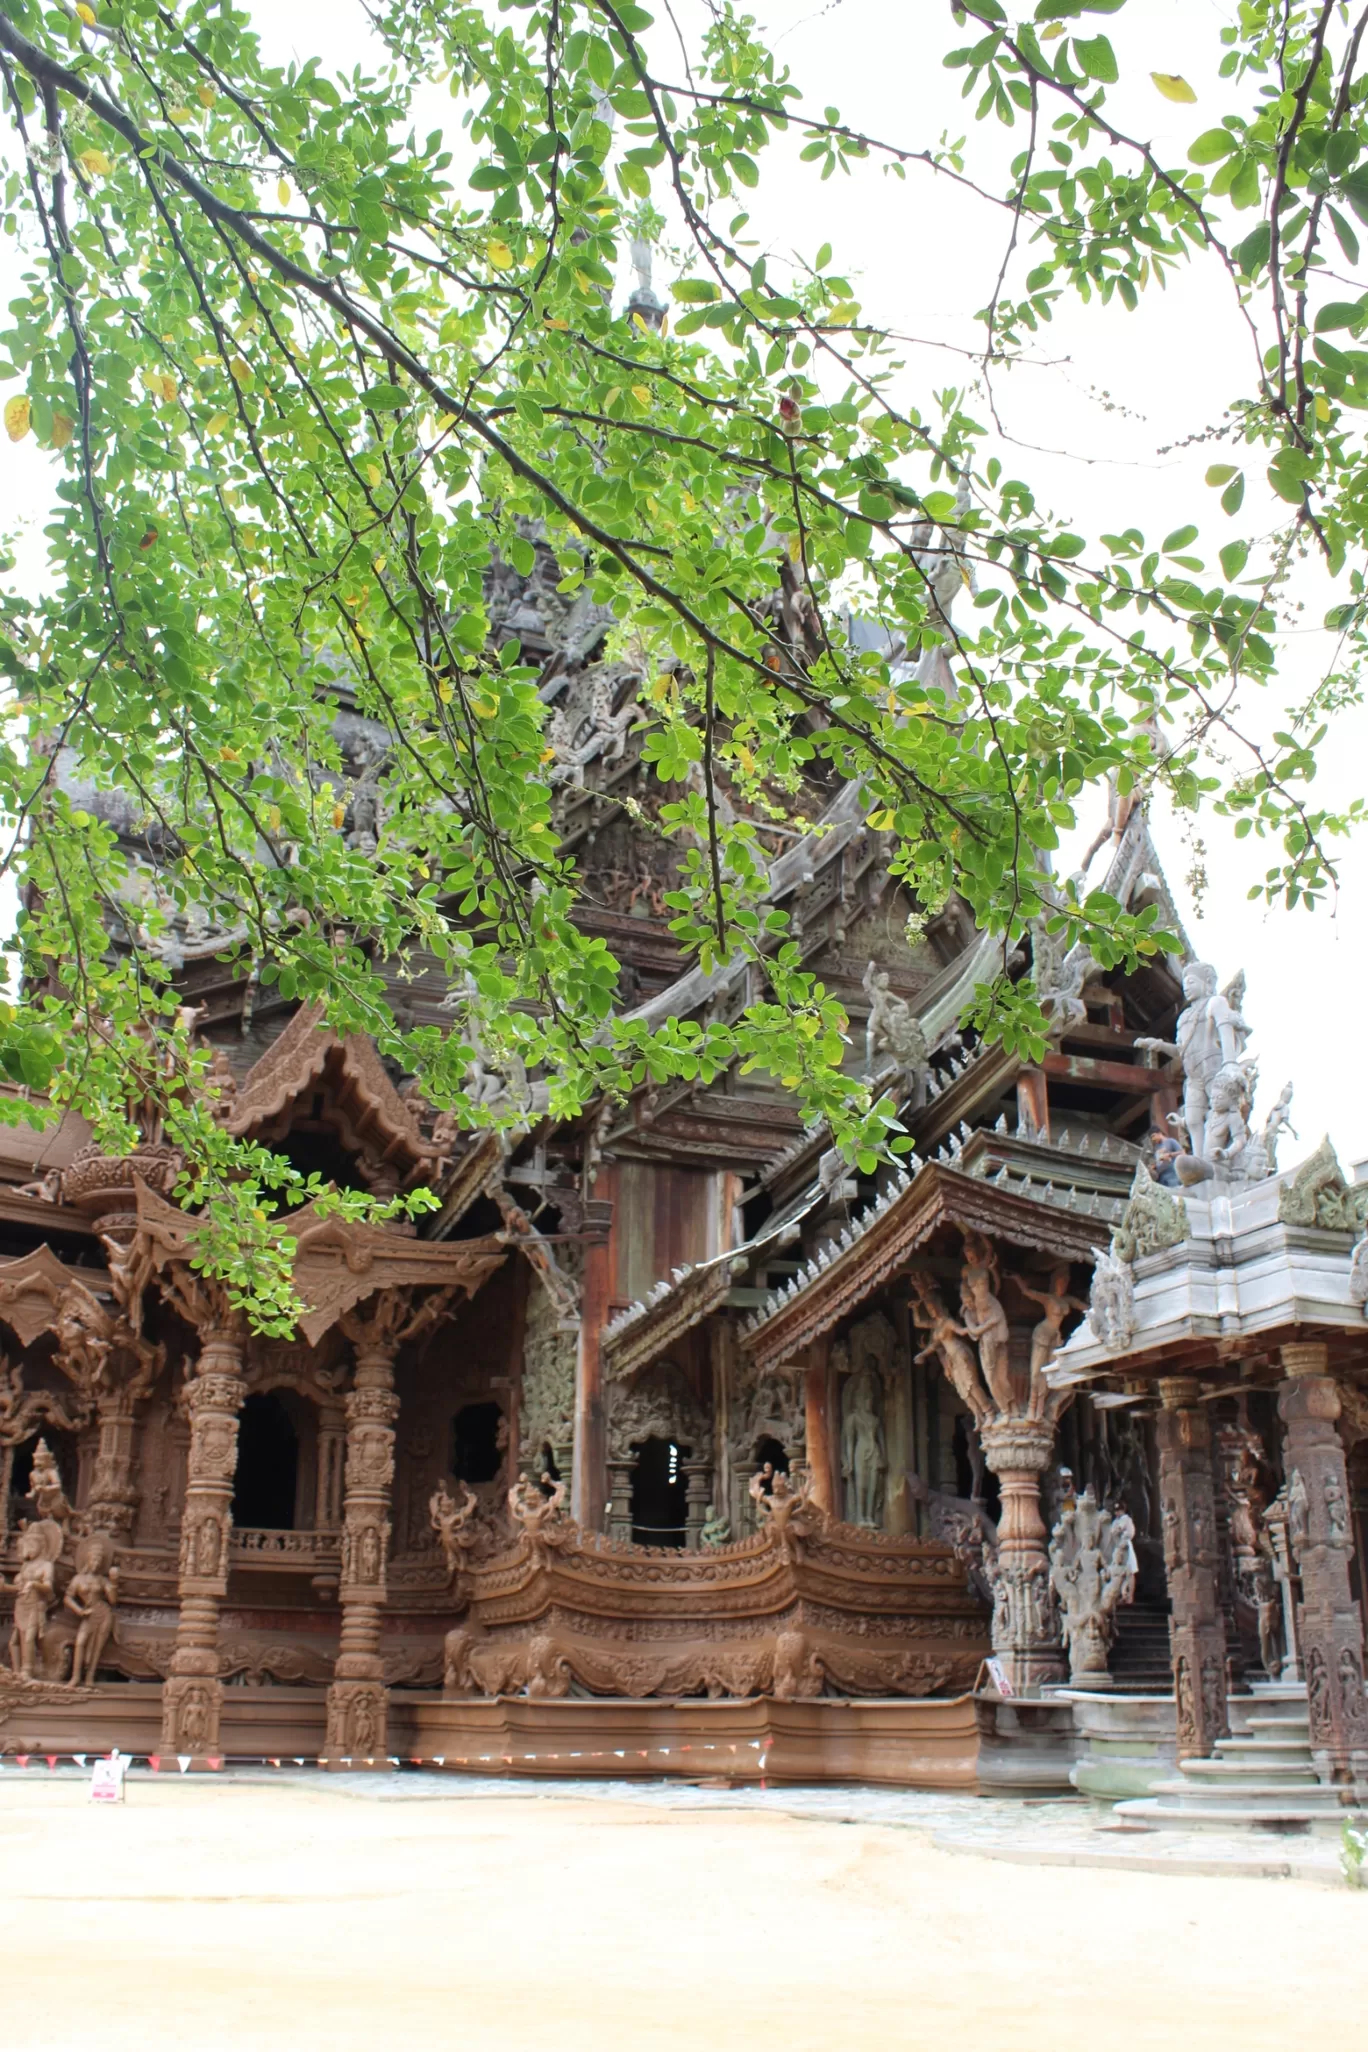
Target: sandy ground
[222,1916]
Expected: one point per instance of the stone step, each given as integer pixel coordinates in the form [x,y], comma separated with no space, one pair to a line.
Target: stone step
[1290,1814]
[1273,1728]
[1249,1775]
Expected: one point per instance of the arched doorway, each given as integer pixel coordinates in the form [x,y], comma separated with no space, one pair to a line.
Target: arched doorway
[659,1494]
[266,1484]
[769,1453]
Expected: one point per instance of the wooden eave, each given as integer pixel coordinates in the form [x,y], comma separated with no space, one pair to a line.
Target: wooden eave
[686,1304]
[337,1262]
[309,1054]
[937,1196]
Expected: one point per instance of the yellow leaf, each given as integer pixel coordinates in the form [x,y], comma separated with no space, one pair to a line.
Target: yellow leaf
[241,371]
[500,256]
[1173,87]
[1322,410]
[339,814]
[85,14]
[167,387]
[62,429]
[95,162]
[374,473]
[205,361]
[216,426]
[642,394]
[179,114]
[229,755]
[283,192]
[17,415]
[1055,29]
[552,322]
[207,95]
[444,421]
[446,692]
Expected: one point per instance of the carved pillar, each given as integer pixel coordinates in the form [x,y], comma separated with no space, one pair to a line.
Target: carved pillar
[589,1465]
[356,1696]
[1026,1635]
[819,1430]
[1188,1511]
[1330,1621]
[113,1501]
[697,1496]
[192,1699]
[332,1442]
[620,1496]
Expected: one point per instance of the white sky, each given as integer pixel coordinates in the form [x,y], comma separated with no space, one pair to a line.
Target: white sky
[924,261]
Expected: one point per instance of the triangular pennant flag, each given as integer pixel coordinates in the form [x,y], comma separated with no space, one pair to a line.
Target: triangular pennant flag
[79,1758]
[275,1763]
[439,1760]
[22,1758]
[183,1761]
[298,1760]
[154,1761]
[51,1759]
[215,1761]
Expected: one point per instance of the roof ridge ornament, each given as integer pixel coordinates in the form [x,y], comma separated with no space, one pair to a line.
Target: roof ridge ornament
[1153,1220]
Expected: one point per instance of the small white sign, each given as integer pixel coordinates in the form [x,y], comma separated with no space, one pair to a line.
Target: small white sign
[107,1779]
[997,1676]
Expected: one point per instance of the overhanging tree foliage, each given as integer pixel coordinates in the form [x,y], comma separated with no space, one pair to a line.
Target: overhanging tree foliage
[302,371]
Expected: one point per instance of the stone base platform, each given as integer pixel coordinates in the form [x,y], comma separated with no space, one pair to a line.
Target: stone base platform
[258,1722]
[891,1742]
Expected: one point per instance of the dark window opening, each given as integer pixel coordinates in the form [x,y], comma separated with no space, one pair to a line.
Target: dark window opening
[267,1477]
[476,1455]
[769,1454]
[659,1495]
[548,1474]
[321,1153]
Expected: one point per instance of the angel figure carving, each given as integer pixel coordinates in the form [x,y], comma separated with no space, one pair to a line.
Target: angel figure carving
[892,1026]
[1048,1336]
[950,1344]
[984,1318]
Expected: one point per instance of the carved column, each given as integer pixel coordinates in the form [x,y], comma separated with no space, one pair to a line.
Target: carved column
[589,1468]
[697,1496]
[819,1428]
[332,1442]
[356,1697]
[1026,1635]
[1330,1621]
[192,1699]
[1188,1510]
[113,1501]
[620,1468]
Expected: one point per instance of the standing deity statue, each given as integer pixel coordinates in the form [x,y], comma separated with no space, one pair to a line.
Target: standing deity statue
[35,1592]
[864,1457]
[91,1597]
[1211,1034]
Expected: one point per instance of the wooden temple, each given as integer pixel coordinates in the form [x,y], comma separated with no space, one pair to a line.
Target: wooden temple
[668,1442]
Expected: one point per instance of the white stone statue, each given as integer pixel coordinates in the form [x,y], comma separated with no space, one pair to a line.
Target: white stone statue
[892,1027]
[1211,1033]
[1092,1570]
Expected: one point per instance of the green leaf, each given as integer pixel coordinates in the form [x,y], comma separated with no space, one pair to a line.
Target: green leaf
[1232,498]
[1096,59]
[385,398]
[1234,556]
[695,291]
[1220,473]
[1254,249]
[1181,538]
[1340,313]
[1212,145]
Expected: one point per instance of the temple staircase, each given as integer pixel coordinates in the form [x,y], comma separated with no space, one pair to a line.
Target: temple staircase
[1139,1661]
[1261,1776]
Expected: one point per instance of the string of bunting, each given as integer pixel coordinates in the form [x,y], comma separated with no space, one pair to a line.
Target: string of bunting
[215,1762]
